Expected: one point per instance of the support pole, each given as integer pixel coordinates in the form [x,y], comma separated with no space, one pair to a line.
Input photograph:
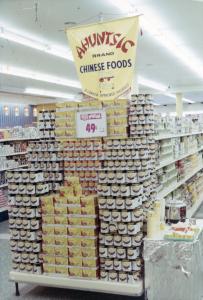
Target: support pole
[17,289]
[179,104]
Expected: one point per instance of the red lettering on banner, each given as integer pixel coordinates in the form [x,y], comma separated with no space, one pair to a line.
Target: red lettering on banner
[104,38]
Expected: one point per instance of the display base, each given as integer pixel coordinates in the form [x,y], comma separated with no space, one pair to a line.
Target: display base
[135,289]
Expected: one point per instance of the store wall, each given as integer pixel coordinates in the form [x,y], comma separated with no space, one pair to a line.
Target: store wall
[16,115]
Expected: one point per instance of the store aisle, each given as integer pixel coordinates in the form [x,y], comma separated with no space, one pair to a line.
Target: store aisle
[30,292]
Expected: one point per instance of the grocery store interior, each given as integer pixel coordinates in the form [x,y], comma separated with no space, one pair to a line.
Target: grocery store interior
[101,178]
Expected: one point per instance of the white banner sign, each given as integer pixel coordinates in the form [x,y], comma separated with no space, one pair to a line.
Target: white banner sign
[90,124]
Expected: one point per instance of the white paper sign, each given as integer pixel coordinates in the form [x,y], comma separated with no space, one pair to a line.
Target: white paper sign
[91,124]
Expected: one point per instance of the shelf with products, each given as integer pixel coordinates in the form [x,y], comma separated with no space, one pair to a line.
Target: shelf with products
[171,136]
[176,185]
[14,154]
[168,162]
[192,210]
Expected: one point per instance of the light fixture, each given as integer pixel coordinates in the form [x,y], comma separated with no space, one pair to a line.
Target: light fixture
[16,111]
[6,110]
[34,112]
[35,43]
[10,70]
[152,84]
[46,93]
[26,111]
[159,87]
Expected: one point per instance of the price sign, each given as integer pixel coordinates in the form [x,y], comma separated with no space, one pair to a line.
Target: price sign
[91,124]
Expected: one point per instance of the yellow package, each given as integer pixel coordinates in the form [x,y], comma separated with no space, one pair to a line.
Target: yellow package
[75,261]
[48,269]
[108,103]
[88,201]
[120,112]
[73,200]
[61,270]
[75,272]
[73,180]
[70,116]
[78,190]
[60,240]
[74,231]
[60,104]
[48,219]
[90,273]
[90,262]
[121,121]
[74,210]
[71,104]
[61,251]
[74,241]
[69,132]
[121,102]
[60,210]
[74,221]
[60,220]
[48,209]
[88,232]
[61,199]
[48,239]
[74,252]
[60,230]
[48,249]
[61,260]
[85,242]
[47,229]
[88,210]
[89,252]
[88,221]
[60,123]
[47,200]
[60,132]
[47,259]
[60,114]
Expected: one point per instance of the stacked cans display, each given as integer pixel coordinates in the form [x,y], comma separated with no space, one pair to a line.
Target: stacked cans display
[125,194]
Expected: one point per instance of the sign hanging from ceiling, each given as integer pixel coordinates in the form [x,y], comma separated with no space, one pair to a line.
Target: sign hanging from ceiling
[104,55]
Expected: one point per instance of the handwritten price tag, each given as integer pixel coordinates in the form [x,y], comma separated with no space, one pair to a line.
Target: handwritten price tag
[91,124]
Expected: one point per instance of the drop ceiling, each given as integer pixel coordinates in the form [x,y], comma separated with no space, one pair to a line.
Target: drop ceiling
[44,20]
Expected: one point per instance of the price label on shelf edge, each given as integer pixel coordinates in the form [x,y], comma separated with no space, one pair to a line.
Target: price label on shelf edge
[90,124]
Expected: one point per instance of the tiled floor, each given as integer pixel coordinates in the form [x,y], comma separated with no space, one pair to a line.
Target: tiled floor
[30,292]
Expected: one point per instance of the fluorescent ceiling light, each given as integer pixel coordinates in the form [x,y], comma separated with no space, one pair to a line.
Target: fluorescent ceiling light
[46,93]
[152,84]
[35,44]
[160,87]
[155,25]
[10,70]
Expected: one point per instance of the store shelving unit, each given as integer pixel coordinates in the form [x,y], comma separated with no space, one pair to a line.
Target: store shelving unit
[173,187]
[192,210]
[170,136]
[170,161]
[135,289]
[13,154]
[10,155]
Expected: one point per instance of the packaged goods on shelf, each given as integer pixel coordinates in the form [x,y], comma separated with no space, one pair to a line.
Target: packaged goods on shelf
[46,123]
[19,132]
[169,125]
[24,191]
[69,232]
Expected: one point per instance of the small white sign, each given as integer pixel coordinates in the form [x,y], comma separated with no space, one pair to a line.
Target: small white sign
[90,124]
